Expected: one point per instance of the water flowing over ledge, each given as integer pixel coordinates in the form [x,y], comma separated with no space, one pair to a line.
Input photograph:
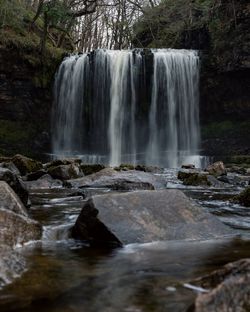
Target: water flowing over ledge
[138,106]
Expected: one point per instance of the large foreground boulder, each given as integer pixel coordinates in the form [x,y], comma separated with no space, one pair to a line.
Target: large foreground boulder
[119,180]
[15,225]
[145,216]
[229,289]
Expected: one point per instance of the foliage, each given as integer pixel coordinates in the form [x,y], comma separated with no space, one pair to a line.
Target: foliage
[198,24]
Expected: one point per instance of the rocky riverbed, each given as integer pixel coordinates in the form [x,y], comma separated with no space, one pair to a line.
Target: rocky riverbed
[59,273]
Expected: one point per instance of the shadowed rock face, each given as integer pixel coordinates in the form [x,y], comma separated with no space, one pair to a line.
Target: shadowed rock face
[145,216]
[231,289]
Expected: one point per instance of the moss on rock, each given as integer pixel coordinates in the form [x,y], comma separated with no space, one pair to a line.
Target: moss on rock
[243,198]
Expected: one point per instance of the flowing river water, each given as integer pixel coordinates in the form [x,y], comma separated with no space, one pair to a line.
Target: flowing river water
[68,276]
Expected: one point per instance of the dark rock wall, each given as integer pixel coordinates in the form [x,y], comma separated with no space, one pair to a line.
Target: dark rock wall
[26,88]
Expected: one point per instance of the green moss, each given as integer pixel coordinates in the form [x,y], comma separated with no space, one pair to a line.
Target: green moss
[15,132]
[193,178]
[89,169]
[225,128]
[243,198]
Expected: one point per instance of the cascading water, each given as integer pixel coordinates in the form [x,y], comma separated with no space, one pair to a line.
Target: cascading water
[138,106]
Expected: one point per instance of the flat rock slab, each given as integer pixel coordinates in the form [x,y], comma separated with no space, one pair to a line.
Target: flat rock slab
[119,180]
[145,216]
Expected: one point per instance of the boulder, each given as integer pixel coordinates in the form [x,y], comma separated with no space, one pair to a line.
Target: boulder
[15,225]
[16,183]
[10,165]
[127,167]
[119,180]
[26,165]
[36,175]
[59,162]
[229,289]
[194,177]
[65,172]
[243,198]
[45,182]
[89,168]
[145,216]
[217,169]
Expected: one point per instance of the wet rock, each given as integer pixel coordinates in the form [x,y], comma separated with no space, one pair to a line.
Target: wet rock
[10,165]
[26,165]
[15,225]
[77,193]
[16,183]
[194,177]
[145,216]
[65,172]
[243,198]
[36,175]
[12,265]
[237,169]
[124,180]
[45,182]
[234,179]
[188,166]
[127,167]
[217,169]
[229,289]
[89,168]
[59,162]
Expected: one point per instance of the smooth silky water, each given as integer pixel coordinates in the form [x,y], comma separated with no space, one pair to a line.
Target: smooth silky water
[128,106]
[68,276]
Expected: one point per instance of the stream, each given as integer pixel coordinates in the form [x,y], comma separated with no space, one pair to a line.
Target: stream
[69,276]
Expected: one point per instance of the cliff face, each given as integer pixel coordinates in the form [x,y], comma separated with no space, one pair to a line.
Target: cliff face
[25,99]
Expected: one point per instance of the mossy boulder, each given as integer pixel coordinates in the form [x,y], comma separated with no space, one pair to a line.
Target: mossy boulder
[243,198]
[65,172]
[194,178]
[26,165]
[88,169]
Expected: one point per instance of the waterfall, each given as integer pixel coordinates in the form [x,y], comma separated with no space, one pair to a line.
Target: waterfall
[138,106]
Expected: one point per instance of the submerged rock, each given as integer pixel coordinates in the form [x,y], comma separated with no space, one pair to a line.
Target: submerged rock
[229,289]
[217,169]
[119,180]
[145,216]
[26,165]
[12,265]
[15,225]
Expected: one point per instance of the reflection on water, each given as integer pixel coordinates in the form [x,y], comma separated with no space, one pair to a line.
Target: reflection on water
[68,276]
